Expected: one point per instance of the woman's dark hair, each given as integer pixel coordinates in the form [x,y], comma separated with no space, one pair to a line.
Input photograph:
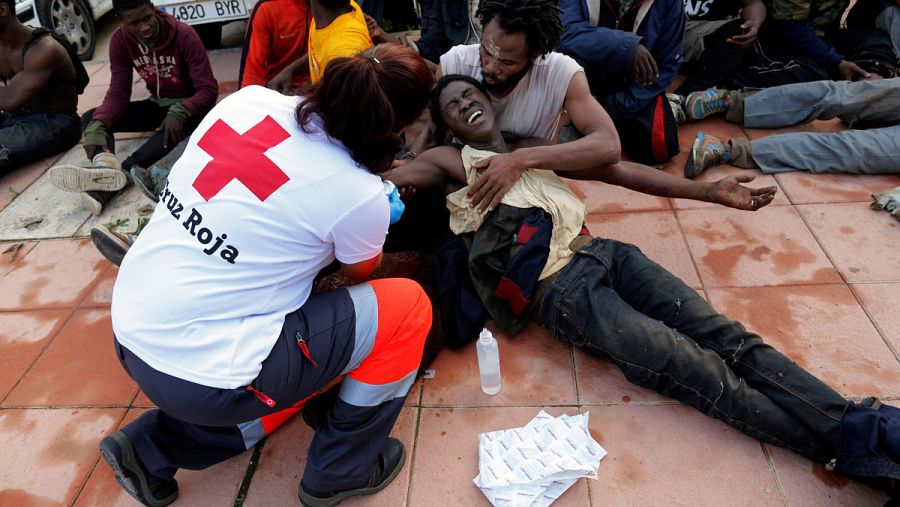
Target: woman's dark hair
[434,106]
[367,99]
[539,20]
[127,5]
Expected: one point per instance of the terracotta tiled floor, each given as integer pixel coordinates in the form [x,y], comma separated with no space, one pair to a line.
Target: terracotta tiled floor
[817,273]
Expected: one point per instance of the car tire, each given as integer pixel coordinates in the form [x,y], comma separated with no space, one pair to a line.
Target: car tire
[210,34]
[73,20]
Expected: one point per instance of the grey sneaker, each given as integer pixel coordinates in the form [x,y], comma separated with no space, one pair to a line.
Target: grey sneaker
[150,181]
[112,244]
[676,102]
[104,175]
[699,105]
[706,151]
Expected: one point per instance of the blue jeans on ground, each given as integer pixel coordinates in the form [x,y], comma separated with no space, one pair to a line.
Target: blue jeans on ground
[26,137]
[873,151]
[613,302]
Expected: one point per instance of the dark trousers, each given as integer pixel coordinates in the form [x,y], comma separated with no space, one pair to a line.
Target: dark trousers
[142,116]
[26,137]
[197,426]
[718,63]
[615,303]
[649,136]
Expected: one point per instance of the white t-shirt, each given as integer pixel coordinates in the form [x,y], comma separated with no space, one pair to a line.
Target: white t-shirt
[532,108]
[203,292]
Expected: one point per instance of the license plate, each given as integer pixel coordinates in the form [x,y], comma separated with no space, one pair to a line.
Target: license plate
[194,13]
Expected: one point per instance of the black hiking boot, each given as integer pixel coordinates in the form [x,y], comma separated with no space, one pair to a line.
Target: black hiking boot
[152,491]
[390,462]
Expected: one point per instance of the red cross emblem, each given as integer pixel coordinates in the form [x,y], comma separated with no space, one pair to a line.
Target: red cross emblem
[241,157]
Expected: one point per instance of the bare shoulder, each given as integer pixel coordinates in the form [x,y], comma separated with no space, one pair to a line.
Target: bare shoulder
[442,155]
[46,53]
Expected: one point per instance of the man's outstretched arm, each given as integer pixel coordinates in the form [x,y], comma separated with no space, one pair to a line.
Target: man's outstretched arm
[728,191]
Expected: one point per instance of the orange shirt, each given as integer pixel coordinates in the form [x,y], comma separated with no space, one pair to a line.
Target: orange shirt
[345,36]
[276,37]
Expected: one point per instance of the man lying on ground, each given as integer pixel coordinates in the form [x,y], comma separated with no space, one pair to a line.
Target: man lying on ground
[611,301]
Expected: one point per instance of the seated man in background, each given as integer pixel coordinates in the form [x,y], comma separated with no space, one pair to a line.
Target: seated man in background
[611,301]
[631,53]
[859,104]
[883,15]
[276,37]
[445,23]
[169,57]
[39,98]
[716,42]
[338,29]
[796,24]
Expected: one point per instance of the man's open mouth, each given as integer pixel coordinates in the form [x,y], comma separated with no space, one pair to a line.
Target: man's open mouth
[474,116]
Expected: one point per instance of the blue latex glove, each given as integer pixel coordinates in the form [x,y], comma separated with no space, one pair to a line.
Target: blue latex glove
[396,205]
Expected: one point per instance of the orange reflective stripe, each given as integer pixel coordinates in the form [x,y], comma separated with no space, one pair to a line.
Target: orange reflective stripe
[404,319]
[272,421]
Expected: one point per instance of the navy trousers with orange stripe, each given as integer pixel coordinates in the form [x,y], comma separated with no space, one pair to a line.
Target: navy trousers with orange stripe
[352,332]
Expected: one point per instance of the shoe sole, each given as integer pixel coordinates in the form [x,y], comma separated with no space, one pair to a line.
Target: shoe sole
[691,170]
[312,501]
[129,465]
[73,178]
[109,245]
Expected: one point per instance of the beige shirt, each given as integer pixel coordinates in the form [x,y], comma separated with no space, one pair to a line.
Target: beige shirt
[537,188]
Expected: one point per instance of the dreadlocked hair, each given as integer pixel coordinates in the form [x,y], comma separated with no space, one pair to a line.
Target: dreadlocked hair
[539,20]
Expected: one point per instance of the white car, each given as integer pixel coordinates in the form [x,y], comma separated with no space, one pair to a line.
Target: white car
[207,16]
[74,19]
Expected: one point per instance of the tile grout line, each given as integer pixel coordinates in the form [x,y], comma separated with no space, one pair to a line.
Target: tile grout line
[65,323]
[690,252]
[774,470]
[413,454]
[43,350]
[848,284]
[96,463]
[574,372]
[815,236]
[244,487]
[881,333]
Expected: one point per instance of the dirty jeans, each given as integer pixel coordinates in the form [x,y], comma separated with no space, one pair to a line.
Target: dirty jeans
[26,137]
[613,302]
[873,151]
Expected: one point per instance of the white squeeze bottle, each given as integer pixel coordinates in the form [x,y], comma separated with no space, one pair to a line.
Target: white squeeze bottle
[488,362]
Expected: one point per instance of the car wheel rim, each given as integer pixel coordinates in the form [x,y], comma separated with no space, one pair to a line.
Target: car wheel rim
[70,20]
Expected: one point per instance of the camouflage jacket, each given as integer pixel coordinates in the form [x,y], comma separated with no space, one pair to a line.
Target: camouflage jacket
[821,14]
